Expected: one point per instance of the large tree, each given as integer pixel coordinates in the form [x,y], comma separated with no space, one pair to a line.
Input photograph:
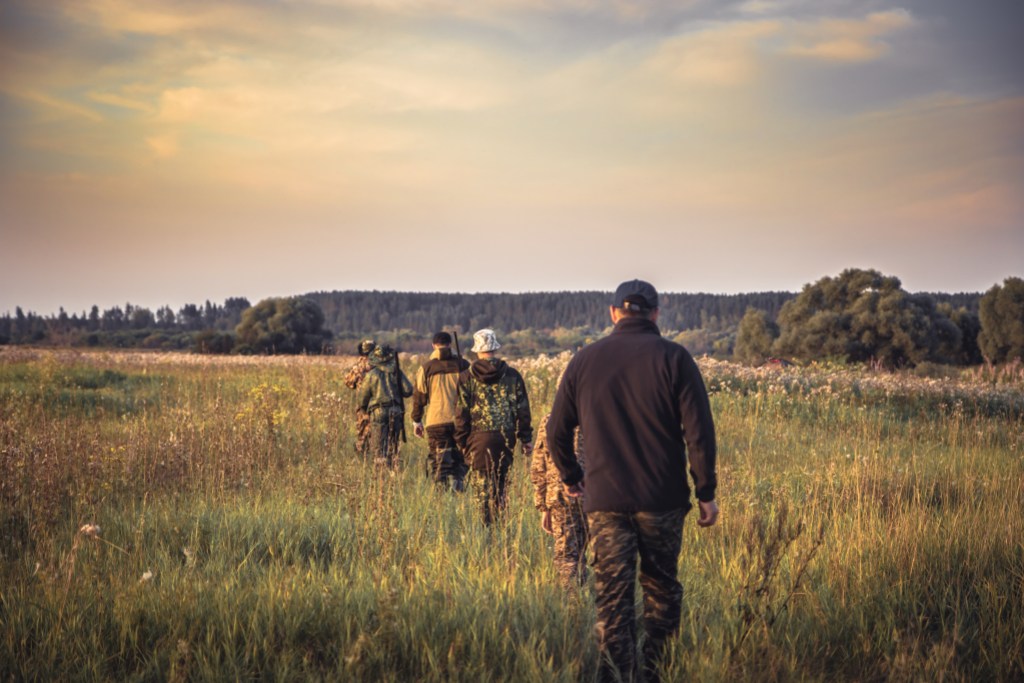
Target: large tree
[1002,321]
[755,336]
[862,315]
[283,325]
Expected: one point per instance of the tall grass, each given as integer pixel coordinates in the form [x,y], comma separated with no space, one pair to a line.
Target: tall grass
[872,529]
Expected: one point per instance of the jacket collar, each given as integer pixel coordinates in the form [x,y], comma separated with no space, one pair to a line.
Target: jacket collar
[636,326]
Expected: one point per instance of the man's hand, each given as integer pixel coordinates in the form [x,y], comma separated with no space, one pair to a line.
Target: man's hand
[545,522]
[708,513]
[417,429]
[576,490]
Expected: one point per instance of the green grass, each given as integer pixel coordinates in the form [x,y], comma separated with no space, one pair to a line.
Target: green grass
[871,529]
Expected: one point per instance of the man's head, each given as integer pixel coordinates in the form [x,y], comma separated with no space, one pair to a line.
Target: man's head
[381,354]
[365,347]
[634,299]
[485,343]
[442,340]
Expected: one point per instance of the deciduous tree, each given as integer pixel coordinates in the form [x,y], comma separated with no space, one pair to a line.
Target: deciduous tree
[755,337]
[1002,321]
[283,325]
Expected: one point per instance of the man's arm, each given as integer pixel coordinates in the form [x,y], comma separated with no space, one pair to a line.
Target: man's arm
[524,427]
[405,386]
[539,469]
[698,430]
[366,391]
[419,396]
[355,374]
[462,414]
[562,430]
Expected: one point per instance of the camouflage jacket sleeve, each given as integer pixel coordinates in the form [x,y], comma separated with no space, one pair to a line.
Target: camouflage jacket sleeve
[539,469]
[367,389]
[356,373]
[462,410]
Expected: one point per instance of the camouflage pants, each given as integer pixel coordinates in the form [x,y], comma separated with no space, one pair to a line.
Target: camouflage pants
[445,464]
[569,527]
[362,431]
[618,538]
[385,435]
[490,456]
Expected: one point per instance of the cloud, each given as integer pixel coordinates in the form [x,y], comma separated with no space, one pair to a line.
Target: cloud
[56,106]
[163,146]
[121,101]
[847,40]
[719,55]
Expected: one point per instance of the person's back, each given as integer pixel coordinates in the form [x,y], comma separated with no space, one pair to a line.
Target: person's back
[434,406]
[382,396]
[494,414]
[353,379]
[634,392]
[436,391]
[496,396]
[385,386]
[642,404]
[561,515]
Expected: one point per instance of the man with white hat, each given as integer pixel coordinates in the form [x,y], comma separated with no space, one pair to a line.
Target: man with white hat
[494,414]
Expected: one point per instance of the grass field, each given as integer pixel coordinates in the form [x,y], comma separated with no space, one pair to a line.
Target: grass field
[872,529]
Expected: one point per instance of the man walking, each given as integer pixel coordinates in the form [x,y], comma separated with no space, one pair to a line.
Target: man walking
[561,515]
[353,379]
[641,401]
[383,395]
[434,404]
[494,413]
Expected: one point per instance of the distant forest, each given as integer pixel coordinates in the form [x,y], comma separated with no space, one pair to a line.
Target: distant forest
[530,322]
[360,312]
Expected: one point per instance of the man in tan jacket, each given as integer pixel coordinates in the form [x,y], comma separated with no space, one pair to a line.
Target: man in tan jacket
[434,404]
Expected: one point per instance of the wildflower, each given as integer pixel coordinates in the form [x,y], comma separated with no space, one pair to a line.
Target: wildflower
[146,576]
[90,530]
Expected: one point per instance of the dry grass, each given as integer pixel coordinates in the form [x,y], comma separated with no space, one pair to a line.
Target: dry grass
[872,530]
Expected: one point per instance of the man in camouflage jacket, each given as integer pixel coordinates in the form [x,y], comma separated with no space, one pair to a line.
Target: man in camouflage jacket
[382,397]
[561,514]
[353,378]
[494,413]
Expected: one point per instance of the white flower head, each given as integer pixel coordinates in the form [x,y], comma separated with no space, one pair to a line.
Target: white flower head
[90,530]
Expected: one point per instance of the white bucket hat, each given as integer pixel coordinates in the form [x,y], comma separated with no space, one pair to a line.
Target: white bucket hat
[485,340]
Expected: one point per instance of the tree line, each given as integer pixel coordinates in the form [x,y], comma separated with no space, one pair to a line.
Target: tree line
[865,316]
[128,326]
[857,316]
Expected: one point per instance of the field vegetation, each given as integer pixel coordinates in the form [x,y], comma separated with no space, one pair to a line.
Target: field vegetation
[184,517]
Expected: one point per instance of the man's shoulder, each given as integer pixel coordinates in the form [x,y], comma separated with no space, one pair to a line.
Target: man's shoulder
[451,365]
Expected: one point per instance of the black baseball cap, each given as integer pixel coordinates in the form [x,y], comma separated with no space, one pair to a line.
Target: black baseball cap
[636,295]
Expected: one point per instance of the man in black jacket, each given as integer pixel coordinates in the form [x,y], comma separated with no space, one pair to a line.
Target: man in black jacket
[641,401]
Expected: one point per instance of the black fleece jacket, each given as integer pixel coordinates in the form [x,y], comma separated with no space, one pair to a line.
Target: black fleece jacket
[642,403]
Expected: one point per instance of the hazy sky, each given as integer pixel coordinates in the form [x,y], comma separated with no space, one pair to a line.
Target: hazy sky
[177,151]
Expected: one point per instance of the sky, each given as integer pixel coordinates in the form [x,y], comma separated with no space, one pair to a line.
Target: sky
[163,153]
